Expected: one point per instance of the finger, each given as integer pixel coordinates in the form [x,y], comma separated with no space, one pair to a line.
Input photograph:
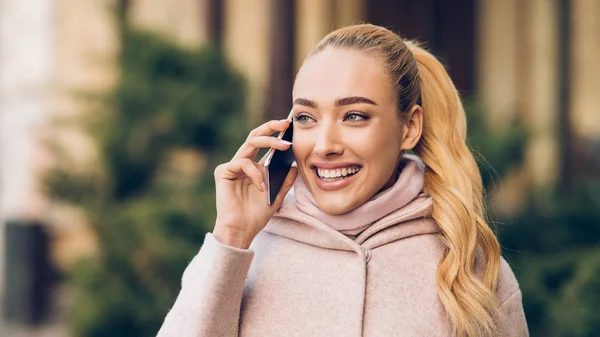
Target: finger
[267,129]
[234,168]
[252,145]
[270,128]
[263,158]
[285,188]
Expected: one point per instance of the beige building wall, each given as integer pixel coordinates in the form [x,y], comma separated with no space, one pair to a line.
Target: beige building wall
[84,62]
[498,59]
[87,47]
[540,90]
[350,12]
[245,36]
[51,52]
[25,69]
[585,66]
[180,20]
[316,18]
[517,75]
[499,81]
[246,42]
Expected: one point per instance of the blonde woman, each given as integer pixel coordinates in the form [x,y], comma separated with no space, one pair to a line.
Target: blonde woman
[371,241]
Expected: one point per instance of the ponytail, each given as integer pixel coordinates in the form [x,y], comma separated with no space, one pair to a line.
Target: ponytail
[454,182]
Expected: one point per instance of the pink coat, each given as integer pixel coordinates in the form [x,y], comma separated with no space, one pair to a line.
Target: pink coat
[301,277]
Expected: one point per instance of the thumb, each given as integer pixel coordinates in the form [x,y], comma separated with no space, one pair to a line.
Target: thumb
[287,185]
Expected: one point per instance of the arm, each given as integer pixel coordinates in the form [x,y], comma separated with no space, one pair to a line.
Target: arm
[211,289]
[211,293]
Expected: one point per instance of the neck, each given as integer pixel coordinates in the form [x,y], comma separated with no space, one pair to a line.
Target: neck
[394,176]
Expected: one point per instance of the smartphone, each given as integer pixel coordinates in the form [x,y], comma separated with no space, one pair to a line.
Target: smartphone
[278,164]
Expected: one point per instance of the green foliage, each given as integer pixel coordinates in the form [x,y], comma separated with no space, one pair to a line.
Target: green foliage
[553,245]
[577,312]
[150,218]
[496,151]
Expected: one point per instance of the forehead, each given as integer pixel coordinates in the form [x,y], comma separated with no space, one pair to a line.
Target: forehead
[335,73]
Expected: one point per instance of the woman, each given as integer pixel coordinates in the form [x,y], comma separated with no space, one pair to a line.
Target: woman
[371,240]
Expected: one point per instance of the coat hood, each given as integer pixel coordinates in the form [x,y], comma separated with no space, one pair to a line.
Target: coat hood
[412,218]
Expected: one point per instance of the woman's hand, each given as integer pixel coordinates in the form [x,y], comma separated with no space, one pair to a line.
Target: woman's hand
[242,209]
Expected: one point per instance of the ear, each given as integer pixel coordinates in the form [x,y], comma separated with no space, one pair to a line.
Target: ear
[412,128]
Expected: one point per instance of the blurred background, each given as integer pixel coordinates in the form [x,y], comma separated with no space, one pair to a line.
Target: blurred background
[114,113]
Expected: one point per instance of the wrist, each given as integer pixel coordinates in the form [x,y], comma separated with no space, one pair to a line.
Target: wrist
[231,238]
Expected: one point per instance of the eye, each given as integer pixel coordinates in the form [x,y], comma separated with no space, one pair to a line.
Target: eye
[302,119]
[356,117]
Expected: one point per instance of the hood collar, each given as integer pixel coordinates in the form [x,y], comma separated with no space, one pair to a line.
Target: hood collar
[409,183]
[412,217]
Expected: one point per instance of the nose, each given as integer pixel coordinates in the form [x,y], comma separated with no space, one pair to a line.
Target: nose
[327,143]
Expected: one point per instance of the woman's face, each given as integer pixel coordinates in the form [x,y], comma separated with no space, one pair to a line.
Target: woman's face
[347,136]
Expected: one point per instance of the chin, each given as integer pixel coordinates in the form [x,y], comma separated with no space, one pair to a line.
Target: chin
[336,207]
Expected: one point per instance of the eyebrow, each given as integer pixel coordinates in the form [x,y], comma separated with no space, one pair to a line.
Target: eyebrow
[338,102]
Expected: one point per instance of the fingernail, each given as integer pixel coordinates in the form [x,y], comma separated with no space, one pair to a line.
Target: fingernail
[264,187]
[285,142]
[284,120]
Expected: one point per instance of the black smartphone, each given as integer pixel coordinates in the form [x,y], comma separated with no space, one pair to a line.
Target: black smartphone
[278,164]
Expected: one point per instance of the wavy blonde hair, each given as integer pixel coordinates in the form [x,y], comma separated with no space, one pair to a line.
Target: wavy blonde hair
[452,177]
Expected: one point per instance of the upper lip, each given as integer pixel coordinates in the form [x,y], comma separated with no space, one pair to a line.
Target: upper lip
[332,166]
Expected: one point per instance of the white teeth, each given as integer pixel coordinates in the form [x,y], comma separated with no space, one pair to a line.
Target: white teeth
[337,173]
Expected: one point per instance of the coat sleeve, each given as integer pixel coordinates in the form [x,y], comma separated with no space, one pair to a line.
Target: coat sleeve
[209,301]
[512,321]
[513,316]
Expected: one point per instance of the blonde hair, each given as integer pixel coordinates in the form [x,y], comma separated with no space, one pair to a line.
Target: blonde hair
[452,177]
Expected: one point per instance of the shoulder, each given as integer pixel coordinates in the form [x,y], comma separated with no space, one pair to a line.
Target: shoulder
[507,282]
[512,321]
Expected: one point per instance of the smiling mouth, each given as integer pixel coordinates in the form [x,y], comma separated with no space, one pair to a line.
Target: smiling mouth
[336,174]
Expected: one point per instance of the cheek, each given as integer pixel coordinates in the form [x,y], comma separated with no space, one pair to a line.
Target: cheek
[374,144]
[380,154]
[302,147]
[302,150]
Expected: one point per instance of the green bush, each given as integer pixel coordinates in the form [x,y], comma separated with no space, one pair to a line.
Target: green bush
[577,310]
[150,219]
[553,245]
[553,248]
